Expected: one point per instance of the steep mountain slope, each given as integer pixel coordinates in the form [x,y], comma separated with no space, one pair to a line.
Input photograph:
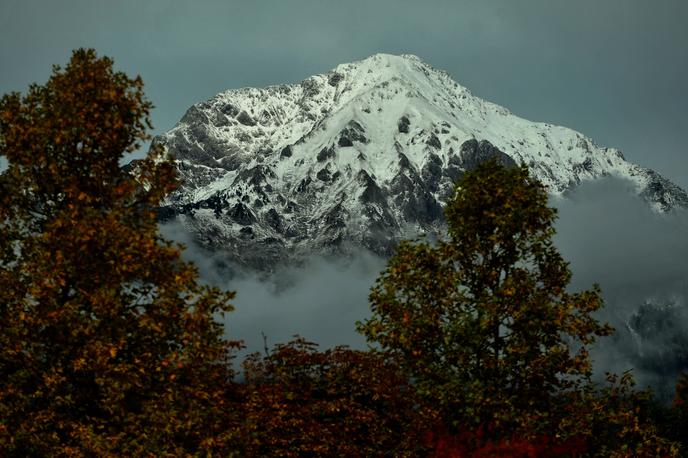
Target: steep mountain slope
[359,157]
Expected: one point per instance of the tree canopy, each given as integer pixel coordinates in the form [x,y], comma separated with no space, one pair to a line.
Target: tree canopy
[108,344]
[483,321]
[340,402]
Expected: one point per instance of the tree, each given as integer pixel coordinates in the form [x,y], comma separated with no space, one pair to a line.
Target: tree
[341,402]
[672,420]
[483,321]
[108,344]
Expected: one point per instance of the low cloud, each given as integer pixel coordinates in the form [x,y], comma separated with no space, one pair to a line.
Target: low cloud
[610,237]
[640,260]
[320,300]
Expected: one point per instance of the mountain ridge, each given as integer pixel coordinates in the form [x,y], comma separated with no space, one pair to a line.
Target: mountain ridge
[361,156]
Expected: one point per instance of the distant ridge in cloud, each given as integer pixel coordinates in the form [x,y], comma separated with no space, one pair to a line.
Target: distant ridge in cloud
[609,236]
[640,260]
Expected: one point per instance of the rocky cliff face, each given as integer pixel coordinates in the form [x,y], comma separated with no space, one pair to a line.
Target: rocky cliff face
[359,157]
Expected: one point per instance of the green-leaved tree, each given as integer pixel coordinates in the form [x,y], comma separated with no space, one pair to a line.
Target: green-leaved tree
[483,321]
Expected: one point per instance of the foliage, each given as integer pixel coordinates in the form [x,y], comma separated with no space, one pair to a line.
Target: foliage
[340,402]
[619,420]
[483,321]
[681,398]
[671,421]
[678,414]
[108,345]
[460,445]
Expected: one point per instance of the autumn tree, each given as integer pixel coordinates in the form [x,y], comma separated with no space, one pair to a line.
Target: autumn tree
[108,345]
[299,401]
[483,321]
[672,420]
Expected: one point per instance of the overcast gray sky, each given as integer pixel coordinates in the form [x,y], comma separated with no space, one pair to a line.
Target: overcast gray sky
[615,70]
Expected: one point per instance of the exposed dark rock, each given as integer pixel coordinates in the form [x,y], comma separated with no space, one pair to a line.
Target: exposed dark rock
[353,132]
[327,153]
[246,231]
[324,175]
[415,201]
[403,125]
[229,110]
[587,166]
[336,217]
[663,192]
[334,78]
[274,220]
[217,203]
[220,120]
[310,87]
[380,222]
[345,141]
[286,151]
[453,172]
[474,153]
[371,192]
[303,185]
[454,158]
[291,231]
[432,172]
[195,116]
[255,175]
[434,142]
[246,119]
[241,214]
[291,206]
[406,181]
[404,161]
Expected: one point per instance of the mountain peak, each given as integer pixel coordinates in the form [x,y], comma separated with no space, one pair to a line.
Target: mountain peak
[360,156]
[380,61]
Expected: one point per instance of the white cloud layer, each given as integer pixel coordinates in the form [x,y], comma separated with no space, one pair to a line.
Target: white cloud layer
[609,236]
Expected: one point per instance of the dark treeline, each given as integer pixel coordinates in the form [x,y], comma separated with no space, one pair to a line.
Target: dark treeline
[109,346]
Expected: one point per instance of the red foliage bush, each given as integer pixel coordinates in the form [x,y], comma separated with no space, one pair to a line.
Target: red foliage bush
[472,444]
[341,402]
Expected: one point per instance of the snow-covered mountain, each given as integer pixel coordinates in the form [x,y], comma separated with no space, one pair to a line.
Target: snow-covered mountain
[361,156]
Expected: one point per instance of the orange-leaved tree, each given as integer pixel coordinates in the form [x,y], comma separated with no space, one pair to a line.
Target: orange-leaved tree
[108,345]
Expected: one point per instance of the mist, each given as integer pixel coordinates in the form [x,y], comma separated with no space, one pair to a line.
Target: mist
[610,237]
[320,300]
[640,260]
